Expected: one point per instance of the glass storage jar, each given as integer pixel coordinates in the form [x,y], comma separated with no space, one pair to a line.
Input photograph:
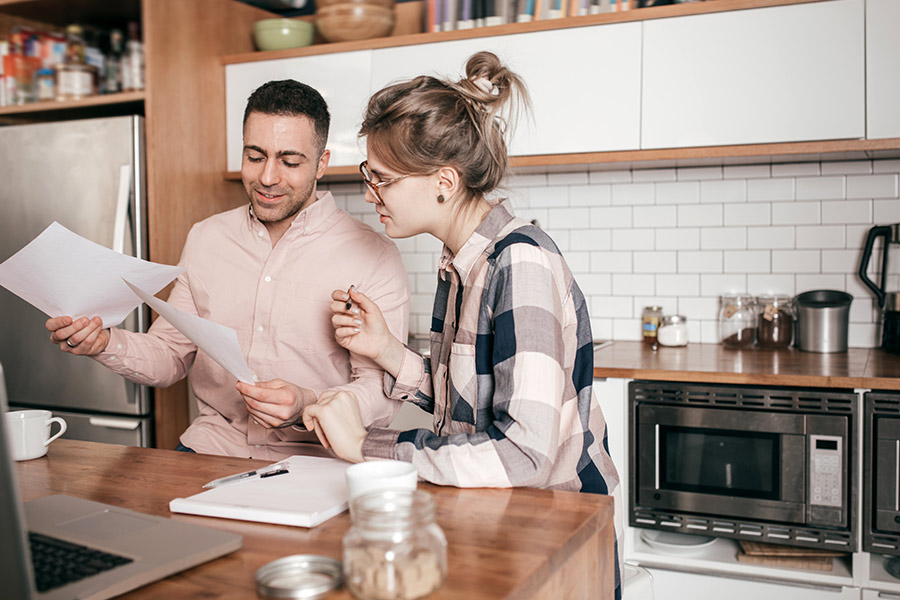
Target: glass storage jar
[394,550]
[737,320]
[672,331]
[775,325]
[650,323]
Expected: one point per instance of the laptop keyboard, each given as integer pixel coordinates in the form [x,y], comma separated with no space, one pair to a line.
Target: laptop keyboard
[57,562]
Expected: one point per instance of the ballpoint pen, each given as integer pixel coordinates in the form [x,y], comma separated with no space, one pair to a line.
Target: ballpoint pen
[349,301]
[278,468]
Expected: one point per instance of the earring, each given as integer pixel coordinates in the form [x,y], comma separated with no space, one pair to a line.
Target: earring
[441,198]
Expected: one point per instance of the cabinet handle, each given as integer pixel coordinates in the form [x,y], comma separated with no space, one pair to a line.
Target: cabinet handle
[122,209]
[656,459]
[127,424]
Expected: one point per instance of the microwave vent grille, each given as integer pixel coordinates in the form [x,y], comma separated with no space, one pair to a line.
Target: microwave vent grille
[744,530]
[885,404]
[756,397]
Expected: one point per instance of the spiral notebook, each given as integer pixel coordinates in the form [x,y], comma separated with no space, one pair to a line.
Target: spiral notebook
[313,491]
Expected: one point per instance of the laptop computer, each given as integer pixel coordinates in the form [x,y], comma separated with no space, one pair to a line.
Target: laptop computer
[122,549]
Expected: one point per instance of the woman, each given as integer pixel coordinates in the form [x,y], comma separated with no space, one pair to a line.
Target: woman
[510,373]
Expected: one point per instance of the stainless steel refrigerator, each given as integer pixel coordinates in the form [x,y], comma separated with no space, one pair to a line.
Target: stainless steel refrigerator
[89,176]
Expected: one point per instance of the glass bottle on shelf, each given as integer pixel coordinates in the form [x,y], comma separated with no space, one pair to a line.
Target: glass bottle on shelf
[737,320]
[775,325]
[74,77]
[133,60]
[112,83]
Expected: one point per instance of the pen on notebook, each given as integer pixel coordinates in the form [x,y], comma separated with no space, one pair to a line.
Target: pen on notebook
[273,469]
[349,301]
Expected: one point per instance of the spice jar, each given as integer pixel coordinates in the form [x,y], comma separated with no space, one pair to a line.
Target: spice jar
[775,324]
[650,323]
[673,331]
[737,320]
[394,550]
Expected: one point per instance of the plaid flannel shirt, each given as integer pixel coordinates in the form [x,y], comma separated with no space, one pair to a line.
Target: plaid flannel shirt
[509,380]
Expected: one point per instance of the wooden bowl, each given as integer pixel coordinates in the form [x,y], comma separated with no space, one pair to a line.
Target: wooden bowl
[348,21]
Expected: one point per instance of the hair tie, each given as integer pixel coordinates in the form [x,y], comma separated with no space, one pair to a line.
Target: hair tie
[486,85]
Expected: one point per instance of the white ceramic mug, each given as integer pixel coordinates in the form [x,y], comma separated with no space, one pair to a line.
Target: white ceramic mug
[378,475]
[29,432]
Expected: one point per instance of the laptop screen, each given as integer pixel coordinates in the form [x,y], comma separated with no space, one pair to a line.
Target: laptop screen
[15,563]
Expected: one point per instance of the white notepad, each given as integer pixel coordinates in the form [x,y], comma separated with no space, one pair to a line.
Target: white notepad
[312,492]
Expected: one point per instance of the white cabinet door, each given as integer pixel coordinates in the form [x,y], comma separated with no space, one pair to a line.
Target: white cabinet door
[342,79]
[882,68]
[584,83]
[766,75]
[675,585]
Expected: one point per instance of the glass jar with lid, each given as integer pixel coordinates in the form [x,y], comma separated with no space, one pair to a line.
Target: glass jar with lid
[650,318]
[775,324]
[394,549]
[737,320]
[673,331]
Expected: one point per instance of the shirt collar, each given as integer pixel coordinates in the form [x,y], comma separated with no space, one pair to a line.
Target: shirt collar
[307,220]
[478,242]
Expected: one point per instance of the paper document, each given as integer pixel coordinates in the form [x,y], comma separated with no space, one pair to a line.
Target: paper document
[218,341]
[63,274]
[313,491]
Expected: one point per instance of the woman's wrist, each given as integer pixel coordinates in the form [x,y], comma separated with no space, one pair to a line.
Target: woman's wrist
[391,356]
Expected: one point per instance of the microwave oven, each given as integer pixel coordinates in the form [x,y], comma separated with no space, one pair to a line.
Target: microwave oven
[881,465]
[771,464]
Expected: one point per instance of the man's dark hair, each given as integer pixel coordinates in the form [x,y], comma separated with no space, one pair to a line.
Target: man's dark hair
[291,98]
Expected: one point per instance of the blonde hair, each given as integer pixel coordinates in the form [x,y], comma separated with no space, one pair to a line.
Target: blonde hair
[421,125]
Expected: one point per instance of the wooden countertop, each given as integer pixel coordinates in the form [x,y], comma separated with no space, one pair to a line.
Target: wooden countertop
[501,543]
[713,363]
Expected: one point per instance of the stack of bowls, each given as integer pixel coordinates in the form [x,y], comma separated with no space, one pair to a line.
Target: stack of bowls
[348,20]
[281,34]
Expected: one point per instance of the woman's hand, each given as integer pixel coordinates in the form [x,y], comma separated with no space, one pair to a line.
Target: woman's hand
[275,403]
[336,420]
[83,336]
[362,330]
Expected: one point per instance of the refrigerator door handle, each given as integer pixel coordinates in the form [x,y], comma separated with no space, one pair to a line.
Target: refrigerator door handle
[122,205]
[112,423]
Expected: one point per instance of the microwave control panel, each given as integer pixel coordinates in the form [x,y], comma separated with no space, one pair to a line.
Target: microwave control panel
[826,468]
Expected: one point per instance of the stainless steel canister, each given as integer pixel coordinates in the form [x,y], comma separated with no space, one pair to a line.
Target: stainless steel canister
[823,319]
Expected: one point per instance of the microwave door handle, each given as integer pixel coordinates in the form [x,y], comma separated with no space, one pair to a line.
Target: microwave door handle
[656,458]
[897,476]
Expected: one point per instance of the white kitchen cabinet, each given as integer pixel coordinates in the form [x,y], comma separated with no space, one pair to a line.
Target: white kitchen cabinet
[584,83]
[676,585]
[882,68]
[342,79]
[764,75]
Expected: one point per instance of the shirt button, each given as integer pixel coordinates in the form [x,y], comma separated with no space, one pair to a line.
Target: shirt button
[260,328]
[258,446]
[268,279]
[118,346]
[260,233]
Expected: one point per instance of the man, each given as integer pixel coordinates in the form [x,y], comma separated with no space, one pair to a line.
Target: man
[266,270]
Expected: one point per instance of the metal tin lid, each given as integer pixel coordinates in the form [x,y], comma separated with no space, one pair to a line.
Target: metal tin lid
[672,320]
[301,576]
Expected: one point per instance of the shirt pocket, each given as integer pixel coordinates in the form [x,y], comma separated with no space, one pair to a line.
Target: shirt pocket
[464,389]
[302,321]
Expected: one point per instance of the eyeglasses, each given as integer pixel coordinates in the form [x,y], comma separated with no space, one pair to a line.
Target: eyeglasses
[376,185]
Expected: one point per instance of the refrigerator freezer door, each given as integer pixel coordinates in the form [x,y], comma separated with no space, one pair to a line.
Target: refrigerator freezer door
[124,431]
[71,172]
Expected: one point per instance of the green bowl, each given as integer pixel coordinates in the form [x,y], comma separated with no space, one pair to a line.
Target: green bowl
[281,34]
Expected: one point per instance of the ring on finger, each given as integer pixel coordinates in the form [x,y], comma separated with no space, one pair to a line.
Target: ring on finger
[69,343]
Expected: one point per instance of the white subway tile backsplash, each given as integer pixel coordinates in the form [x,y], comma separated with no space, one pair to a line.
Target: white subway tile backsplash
[820,188]
[872,186]
[655,262]
[681,192]
[680,285]
[633,239]
[796,261]
[756,213]
[770,237]
[700,215]
[748,261]
[611,217]
[846,211]
[796,213]
[700,262]
[722,238]
[821,236]
[633,285]
[761,285]
[654,216]
[728,191]
[632,194]
[770,190]
[681,238]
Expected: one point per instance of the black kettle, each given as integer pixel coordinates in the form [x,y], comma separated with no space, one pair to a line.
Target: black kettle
[888,292]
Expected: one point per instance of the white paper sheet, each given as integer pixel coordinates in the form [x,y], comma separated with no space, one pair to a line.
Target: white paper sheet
[63,274]
[218,341]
